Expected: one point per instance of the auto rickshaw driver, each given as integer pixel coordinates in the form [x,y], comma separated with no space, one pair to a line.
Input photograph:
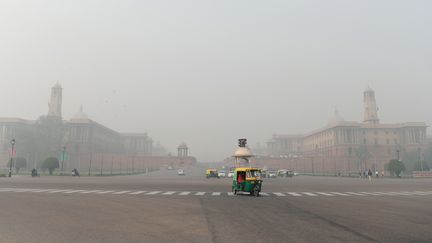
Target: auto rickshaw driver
[241,177]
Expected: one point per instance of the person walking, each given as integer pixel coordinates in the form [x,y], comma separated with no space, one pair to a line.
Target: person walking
[376,173]
[369,173]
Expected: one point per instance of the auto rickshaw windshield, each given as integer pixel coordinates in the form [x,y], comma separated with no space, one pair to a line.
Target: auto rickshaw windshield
[253,174]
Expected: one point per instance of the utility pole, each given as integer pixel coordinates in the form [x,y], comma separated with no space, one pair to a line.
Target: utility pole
[63,159]
[11,157]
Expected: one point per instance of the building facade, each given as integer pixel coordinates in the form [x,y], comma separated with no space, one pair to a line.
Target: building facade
[84,140]
[343,146]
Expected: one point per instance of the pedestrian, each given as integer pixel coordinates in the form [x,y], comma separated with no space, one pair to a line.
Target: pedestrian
[370,174]
[382,174]
[376,173]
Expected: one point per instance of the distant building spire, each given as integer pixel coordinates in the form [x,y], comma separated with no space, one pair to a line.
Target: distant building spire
[370,107]
[55,103]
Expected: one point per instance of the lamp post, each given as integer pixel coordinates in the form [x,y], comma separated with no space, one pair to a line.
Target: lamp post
[11,157]
[63,159]
[398,154]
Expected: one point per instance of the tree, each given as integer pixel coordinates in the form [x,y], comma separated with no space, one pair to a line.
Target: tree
[395,167]
[50,164]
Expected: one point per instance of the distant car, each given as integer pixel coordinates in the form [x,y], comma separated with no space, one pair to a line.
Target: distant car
[285,173]
[296,173]
[231,174]
[272,174]
[221,174]
[170,167]
[180,172]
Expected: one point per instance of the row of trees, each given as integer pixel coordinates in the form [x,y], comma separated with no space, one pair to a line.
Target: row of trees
[49,164]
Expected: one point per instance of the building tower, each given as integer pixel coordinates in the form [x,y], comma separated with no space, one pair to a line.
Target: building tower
[370,107]
[55,104]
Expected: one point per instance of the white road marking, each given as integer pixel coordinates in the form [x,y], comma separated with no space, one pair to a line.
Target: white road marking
[371,193]
[200,194]
[137,193]
[295,194]
[87,192]
[355,193]
[169,193]
[279,194]
[55,191]
[184,193]
[264,194]
[72,191]
[216,194]
[309,194]
[45,190]
[230,193]
[104,192]
[325,194]
[338,193]
[121,192]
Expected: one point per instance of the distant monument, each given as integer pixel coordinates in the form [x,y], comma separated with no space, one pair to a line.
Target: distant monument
[55,104]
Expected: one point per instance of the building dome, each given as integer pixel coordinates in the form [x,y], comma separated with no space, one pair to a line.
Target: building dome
[80,115]
[336,118]
[57,86]
[243,152]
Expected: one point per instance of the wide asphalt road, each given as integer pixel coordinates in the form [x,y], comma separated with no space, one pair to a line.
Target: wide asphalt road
[164,207]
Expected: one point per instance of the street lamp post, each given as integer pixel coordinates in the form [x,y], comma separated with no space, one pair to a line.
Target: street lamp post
[11,157]
[398,154]
[63,159]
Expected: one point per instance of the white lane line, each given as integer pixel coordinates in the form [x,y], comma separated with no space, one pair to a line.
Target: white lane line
[264,194]
[184,193]
[216,194]
[355,193]
[6,189]
[295,194]
[169,193]
[339,193]
[230,194]
[104,192]
[153,193]
[121,192]
[22,190]
[325,194]
[72,191]
[55,191]
[44,190]
[279,194]
[87,192]
[309,194]
[422,193]
[200,194]
[137,193]
[371,193]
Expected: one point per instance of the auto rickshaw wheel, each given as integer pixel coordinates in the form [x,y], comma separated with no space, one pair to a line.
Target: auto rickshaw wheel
[255,192]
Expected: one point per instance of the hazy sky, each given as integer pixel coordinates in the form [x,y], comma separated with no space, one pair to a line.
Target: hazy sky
[209,72]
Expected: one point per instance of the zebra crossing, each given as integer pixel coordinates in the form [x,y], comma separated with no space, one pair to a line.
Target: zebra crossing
[213,194]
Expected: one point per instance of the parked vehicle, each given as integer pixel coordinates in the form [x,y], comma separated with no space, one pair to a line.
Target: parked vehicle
[231,174]
[285,173]
[272,174]
[180,172]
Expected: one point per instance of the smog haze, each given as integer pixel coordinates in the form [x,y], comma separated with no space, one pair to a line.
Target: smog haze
[209,72]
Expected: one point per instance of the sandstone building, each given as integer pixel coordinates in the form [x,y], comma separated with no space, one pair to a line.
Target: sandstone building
[343,146]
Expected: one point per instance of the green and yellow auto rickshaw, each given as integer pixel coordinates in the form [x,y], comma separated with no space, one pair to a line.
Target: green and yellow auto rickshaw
[212,173]
[247,180]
